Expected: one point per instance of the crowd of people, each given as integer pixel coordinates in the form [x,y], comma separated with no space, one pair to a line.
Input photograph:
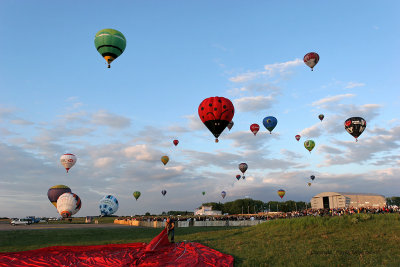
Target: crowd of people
[264,216]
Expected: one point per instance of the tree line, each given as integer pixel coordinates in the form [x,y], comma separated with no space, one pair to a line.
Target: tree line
[251,206]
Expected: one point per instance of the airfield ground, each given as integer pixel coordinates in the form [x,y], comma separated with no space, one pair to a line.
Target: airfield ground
[356,240]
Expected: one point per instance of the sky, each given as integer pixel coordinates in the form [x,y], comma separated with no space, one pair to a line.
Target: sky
[58,96]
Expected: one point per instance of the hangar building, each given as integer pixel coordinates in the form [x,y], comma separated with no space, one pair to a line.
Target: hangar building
[335,200]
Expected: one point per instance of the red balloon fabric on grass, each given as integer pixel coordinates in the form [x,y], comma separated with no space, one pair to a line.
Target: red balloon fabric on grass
[159,252]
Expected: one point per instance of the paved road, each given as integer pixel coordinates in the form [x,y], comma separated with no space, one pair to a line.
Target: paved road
[38,226]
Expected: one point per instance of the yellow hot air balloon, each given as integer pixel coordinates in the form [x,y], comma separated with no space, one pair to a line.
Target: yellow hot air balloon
[281,193]
[164,159]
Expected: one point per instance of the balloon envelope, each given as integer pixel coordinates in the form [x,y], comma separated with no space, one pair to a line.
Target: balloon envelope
[254,128]
[203,193]
[223,194]
[243,167]
[270,122]
[164,159]
[136,195]
[309,145]
[176,142]
[355,126]
[68,160]
[312,177]
[297,137]
[108,205]
[238,177]
[281,193]
[309,184]
[311,59]
[68,204]
[216,113]
[56,191]
[163,192]
[321,116]
[230,125]
[110,44]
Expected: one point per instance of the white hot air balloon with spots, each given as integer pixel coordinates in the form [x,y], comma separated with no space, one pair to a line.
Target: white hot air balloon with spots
[68,160]
[108,205]
[68,204]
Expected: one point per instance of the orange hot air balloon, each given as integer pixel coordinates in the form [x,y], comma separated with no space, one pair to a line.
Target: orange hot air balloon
[164,159]
[281,193]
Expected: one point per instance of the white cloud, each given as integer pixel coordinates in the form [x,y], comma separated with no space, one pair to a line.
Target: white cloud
[104,118]
[270,70]
[331,99]
[353,85]
[141,152]
[253,103]
[21,122]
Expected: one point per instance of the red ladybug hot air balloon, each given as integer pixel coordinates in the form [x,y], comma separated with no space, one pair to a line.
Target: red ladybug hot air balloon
[254,128]
[176,142]
[216,113]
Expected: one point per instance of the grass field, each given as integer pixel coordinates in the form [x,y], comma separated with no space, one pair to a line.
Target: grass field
[366,240]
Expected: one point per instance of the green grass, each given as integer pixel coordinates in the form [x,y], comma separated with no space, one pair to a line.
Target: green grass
[366,240]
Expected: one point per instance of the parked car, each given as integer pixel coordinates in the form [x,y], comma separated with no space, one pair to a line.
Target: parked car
[20,222]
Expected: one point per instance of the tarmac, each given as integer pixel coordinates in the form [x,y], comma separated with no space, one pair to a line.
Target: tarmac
[41,226]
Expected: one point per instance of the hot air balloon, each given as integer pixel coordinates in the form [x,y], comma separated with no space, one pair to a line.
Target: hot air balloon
[309,184]
[223,194]
[136,195]
[311,59]
[243,167]
[68,204]
[108,205]
[216,113]
[56,191]
[176,142]
[203,193]
[281,193]
[164,159]
[355,126]
[254,128]
[321,116]
[110,44]
[297,137]
[312,177]
[230,125]
[238,177]
[163,192]
[68,160]
[309,145]
[270,123]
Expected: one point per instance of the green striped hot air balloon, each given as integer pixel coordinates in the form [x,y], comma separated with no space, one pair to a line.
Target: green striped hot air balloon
[110,44]
[136,195]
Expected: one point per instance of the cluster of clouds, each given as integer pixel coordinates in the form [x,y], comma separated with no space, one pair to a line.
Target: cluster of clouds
[130,161]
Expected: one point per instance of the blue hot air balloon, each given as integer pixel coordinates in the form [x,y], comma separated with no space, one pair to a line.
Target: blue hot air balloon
[270,122]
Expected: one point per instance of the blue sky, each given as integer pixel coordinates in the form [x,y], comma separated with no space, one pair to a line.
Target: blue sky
[58,96]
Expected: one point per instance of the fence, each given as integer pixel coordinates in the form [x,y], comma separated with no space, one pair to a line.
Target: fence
[158,224]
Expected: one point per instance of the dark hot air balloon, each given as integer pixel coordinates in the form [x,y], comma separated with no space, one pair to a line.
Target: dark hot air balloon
[355,126]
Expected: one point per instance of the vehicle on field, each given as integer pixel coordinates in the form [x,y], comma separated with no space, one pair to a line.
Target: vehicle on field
[20,221]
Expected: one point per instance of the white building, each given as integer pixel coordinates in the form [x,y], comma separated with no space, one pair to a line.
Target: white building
[207,210]
[334,200]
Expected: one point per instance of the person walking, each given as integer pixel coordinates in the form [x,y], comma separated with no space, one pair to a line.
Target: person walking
[170,226]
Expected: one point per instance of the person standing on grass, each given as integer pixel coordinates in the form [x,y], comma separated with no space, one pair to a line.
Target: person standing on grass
[170,226]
